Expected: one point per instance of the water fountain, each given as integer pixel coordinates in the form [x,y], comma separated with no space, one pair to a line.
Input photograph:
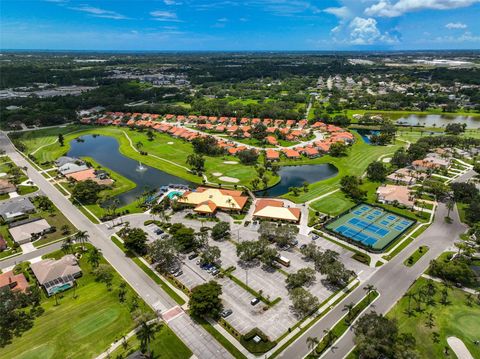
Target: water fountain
[140,167]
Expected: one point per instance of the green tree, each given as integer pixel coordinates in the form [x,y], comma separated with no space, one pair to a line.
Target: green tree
[61,139]
[220,230]
[205,300]
[135,240]
[376,171]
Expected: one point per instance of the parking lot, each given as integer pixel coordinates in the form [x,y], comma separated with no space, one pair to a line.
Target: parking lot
[273,321]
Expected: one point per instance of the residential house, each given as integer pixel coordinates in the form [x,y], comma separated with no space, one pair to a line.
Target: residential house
[6,186]
[272,155]
[394,194]
[71,168]
[63,160]
[57,275]
[13,282]
[15,207]
[26,231]
[291,154]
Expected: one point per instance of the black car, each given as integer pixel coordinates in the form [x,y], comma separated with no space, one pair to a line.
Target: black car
[192,256]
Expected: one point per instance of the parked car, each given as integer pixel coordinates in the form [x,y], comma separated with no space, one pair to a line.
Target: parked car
[215,271]
[165,236]
[255,301]
[192,256]
[303,246]
[198,262]
[173,270]
[178,273]
[226,312]
[158,232]
[315,236]
[294,242]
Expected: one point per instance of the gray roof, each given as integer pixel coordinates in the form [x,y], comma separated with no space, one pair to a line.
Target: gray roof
[16,205]
[65,159]
[51,269]
[71,168]
[24,232]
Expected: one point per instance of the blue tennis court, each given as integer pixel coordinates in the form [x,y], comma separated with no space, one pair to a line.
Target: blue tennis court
[370,226]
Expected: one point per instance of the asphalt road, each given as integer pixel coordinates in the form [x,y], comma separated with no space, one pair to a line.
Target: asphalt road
[200,342]
[392,280]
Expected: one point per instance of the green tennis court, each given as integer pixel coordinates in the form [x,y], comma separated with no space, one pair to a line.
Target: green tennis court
[369,226]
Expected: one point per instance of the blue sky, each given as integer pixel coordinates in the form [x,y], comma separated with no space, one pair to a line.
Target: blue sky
[239,25]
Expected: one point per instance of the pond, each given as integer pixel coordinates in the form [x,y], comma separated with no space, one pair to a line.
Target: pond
[295,176]
[366,134]
[438,120]
[105,151]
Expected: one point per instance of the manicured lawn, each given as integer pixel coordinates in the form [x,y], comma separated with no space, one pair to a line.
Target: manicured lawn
[454,319]
[355,163]
[415,256]
[165,344]
[81,327]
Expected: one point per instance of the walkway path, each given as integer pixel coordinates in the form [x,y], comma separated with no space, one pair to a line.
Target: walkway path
[461,351]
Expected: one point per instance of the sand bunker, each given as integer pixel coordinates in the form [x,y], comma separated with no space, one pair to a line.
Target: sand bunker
[230,162]
[217,174]
[170,143]
[387,160]
[229,179]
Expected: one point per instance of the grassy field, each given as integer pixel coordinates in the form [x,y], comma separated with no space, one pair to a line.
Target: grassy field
[163,146]
[80,327]
[359,157]
[454,319]
[165,344]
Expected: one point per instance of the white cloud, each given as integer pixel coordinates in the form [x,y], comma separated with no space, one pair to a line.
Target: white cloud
[364,31]
[97,12]
[161,15]
[172,2]
[387,8]
[456,25]
[341,12]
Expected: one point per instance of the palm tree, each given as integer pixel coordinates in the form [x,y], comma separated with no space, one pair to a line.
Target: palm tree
[312,343]
[81,237]
[94,256]
[349,307]
[67,245]
[145,335]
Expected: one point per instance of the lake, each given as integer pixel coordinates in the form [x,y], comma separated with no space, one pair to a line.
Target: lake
[438,120]
[105,151]
[295,176]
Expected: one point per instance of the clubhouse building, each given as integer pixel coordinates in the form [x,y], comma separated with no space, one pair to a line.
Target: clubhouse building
[206,200]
